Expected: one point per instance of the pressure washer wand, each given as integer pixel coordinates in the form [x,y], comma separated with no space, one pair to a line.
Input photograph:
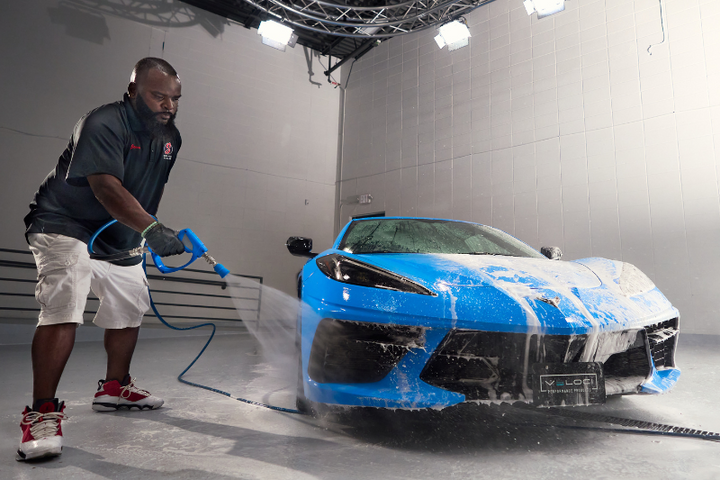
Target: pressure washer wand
[197,249]
[193,245]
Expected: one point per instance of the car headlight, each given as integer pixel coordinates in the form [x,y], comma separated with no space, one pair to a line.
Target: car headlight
[347,270]
[634,282]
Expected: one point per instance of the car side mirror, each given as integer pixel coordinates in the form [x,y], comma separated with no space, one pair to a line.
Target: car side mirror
[300,247]
[553,253]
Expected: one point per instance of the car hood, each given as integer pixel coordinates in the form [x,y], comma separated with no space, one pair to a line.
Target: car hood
[517,293]
[514,273]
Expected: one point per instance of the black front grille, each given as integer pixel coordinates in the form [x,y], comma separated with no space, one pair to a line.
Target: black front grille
[486,365]
[490,365]
[359,352]
[467,362]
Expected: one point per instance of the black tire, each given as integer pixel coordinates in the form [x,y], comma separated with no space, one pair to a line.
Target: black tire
[303,405]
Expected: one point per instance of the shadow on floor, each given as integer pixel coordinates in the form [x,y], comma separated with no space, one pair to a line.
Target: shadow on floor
[77,458]
[460,429]
[466,428]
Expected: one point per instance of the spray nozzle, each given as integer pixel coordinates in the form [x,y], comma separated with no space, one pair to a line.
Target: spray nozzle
[219,269]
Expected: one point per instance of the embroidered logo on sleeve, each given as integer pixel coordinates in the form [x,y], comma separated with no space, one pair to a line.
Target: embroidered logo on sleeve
[168,151]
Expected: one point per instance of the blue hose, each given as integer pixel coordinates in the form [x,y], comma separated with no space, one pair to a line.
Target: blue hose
[212,334]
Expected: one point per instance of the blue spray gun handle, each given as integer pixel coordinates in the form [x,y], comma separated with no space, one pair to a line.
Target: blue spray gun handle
[195,247]
[192,244]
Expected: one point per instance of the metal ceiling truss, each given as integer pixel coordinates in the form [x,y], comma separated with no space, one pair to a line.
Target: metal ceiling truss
[366,19]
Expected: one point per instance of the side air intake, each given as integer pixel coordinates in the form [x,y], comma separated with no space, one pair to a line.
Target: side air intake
[359,352]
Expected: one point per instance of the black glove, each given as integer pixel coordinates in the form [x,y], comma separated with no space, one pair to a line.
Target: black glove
[164,241]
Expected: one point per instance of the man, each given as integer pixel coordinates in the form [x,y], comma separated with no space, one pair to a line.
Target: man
[114,167]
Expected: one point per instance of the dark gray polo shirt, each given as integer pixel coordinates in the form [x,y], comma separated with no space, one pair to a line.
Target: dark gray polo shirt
[112,140]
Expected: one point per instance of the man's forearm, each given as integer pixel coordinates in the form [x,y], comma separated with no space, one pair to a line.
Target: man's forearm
[119,203]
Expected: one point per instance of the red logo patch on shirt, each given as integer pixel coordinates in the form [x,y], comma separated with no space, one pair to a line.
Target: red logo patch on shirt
[134,147]
[168,148]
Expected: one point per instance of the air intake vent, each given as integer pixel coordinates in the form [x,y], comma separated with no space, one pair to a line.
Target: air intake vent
[633,362]
[663,340]
[358,352]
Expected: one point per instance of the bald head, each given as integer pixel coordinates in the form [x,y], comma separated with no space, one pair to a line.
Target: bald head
[144,66]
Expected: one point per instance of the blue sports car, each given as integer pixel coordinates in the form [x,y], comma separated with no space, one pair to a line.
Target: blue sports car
[428,313]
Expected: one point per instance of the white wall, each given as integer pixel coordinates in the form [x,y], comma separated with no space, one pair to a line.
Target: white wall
[563,131]
[258,161]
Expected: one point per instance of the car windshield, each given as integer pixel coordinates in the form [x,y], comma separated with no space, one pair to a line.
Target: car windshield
[407,235]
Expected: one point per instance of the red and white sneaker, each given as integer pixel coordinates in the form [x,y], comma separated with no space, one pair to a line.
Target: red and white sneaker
[113,395]
[41,431]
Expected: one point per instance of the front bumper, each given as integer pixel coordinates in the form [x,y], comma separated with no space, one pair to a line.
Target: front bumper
[364,364]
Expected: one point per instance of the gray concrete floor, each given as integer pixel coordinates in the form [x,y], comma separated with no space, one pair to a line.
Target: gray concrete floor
[200,434]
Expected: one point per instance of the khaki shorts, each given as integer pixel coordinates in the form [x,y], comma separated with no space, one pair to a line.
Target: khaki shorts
[66,274]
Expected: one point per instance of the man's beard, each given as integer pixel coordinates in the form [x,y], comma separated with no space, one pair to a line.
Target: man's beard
[151,120]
